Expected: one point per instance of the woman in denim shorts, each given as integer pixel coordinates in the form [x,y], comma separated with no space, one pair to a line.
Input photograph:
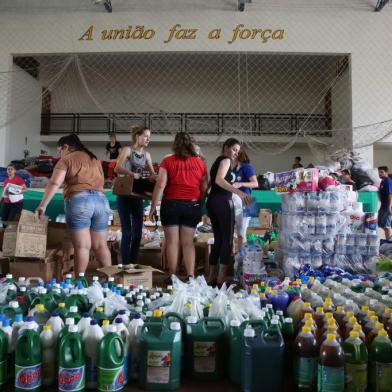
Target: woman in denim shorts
[87,210]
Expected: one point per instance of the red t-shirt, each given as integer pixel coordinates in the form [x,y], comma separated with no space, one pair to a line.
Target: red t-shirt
[16,181]
[183,177]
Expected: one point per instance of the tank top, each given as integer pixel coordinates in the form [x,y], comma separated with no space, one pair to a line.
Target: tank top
[229,177]
[136,162]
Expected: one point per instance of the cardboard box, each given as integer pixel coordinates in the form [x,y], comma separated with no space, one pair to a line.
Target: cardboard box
[131,274]
[127,185]
[34,269]
[265,218]
[4,265]
[151,257]
[27,238]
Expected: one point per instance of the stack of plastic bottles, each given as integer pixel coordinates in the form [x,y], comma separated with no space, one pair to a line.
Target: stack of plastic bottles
[330,336]
[327,228]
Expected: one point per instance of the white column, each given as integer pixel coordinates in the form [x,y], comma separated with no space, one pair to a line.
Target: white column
[5,66]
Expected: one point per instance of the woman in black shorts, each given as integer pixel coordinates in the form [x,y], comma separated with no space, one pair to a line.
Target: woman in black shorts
[221,210]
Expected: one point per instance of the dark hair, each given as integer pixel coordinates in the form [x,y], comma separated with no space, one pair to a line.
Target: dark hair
[385,168]
[113,135]
[74,142]
[243,156]
[230,143]
[346,172]
[137,131]
[299,159]
[11,165]
[183,146]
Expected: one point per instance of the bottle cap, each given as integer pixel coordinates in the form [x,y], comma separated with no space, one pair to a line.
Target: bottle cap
[175,326]
[379,326]
[262,295]
[21,279]
[40,307]
[73,309]
[340,308]
[275,322]
[382,332]
[319,310]
[47,327]
[307,305]
[157,313]
[365,308]
[332,327]
[306,329]
[352,320]
[308,316]
[93,322]
[95,278]
[279,313]
[249,333]
[73,328]
[118,320]
[69,321]
[137,316]
[14,304]
[110,279]
[8,276]
[235,323]
[288,320]
[331,336]
[357,328]
[61,305]
[99,309]
[68,276]
[19,317]
[105,323]
[86,315]
[309,323]
[81,274]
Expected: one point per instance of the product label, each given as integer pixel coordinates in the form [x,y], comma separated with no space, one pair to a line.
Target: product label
[383,376]
[71,379]
[204,357]
[3,372]
[158,367]
[306,372]
[111,379]
[91,370]
[28,377]
[356,377]
[330,379]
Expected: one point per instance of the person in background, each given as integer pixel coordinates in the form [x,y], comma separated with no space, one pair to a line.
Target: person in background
[132,161]
[86,208]
[297,163]
[385,193]
[11,210]
[347,180]
[245,180]
[183,180]
[113,147]
[221,210]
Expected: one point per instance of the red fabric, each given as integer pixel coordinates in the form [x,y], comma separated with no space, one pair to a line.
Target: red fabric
[16,181]
[183,177]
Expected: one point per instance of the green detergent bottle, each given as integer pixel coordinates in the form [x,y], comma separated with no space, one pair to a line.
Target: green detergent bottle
[81,279]
[3,357]
[111,354]
[205,349]
[11,310]
[44,298]
[99,315]
[62,310]
[160,356]
[356,360]
[28,360]
[73,313]
[380,372]
[72,363]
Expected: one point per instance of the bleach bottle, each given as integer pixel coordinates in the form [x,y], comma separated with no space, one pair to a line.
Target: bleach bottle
[84,323]
[124,334]
[56,323]
[92,337]
[72,375]
[48,344]
[111,362]
[28,359]
[3,357]
[134,329]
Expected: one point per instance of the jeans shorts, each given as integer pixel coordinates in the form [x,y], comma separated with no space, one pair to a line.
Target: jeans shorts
[384,219]
[180,213]
[87,210]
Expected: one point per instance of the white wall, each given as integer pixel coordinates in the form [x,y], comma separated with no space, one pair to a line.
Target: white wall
[383,156]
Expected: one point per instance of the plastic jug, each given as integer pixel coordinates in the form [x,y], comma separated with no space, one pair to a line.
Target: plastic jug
[28,359]
[48,344]
[99,315]
[111,362]
[356,367]
[331,366]
[12,310]
[62,310]
[57,324]
[91,338]
[380,364]
[124,334]
[160,348]
[134,329]
[235,345]
[64,331]
[44,298]
[84,323]
[29,321]
[73,313]
[72,375]
[40,314]
[81,279]
[262,347]
[79,299]
[16,325]
[4,370]
[205,349]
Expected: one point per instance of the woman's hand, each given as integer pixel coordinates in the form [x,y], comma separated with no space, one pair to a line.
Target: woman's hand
[40,211]
[152,214]
[136,176]
[237,185]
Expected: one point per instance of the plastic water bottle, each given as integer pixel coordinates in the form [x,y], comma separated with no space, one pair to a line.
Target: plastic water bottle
[48,343]
[91,338]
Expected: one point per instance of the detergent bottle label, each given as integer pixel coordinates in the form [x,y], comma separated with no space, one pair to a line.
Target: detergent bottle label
[330,379]
[3,372]
[71,379]
[158,367]
[356,377]
[204,357]
[111,379]
[306,372]
[383,376]
[28,377]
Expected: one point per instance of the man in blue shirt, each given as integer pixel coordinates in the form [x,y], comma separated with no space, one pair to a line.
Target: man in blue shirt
[385,192]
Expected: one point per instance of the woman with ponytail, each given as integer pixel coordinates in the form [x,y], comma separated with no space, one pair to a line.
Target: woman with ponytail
[183,180]
[86,207]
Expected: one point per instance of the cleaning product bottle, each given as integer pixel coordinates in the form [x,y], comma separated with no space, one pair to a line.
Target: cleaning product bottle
[235,346]
[57,324]
[124,334]
[99,315]
[306,355]
[29,321]
[40,314]
[111,361]
[68,322]
[73,313]
[28,360]
[380,364]
[48,344]
[12,310]
[160,348]
[84,323]
[4,371]
[72,363]
[288,336]
[62,310]
[105,326]
[81,279]
[7,329]
[92,337]
[356,358]
[16,325]
[134,329]
[331,366]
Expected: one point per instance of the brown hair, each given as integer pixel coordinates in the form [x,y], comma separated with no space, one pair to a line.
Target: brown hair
[243,156]
[183,146]
[137,131]
[230,142]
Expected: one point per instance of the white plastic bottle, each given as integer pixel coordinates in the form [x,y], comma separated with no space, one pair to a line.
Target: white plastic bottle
[124,333]
[16,325]
[134,329]
[56,323]
[40,314]
[84,323]
[91,338]
[6,327]
[48,344]
[124,314]
[26,325]
[105,326]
